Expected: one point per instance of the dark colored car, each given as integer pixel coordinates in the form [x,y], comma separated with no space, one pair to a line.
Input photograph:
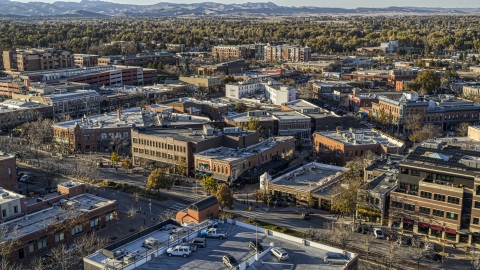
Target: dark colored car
[230,261]
[306,216]
[257,248]
[404,241]
[199,242]
[433,256]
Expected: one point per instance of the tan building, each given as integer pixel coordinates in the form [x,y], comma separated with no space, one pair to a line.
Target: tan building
[228,164]
[344,146]
[37,59]
[287,53]
[216,111]
[86,60]
[159,146]
[205,81]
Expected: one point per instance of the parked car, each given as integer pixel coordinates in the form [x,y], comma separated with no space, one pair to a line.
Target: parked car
[378,233]
[258,248]
[230,261]
[213,233]
[335,258]
[279,253]
[429,247]
[193,247]
[19,175]
[183,251]
[306,216]
[433,256]
[27,178]
[199,242]
[404,241]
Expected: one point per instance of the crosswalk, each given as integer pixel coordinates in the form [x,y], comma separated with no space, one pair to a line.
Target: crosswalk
[188,196]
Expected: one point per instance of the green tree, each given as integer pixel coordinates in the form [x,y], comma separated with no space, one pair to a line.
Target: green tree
[159,179]
[451,75]
[428,81]
[209,184]
[115,158]
[224,196]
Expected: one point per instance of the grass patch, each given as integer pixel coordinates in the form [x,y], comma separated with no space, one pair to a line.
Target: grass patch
[274,228]
[132,189]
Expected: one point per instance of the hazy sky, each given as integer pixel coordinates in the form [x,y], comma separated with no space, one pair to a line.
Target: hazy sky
[321,3]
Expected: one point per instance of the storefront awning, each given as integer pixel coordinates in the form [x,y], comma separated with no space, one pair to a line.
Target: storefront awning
[423,225]
[436,227]
[407,221]
[450,231]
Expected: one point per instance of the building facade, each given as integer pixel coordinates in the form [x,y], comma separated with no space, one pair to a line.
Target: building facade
[286,53]
[37,59]
[86,60]
[140,59]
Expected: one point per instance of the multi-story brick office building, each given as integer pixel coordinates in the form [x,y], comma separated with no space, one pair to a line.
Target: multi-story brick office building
[439,192]
[37,59]
[159,146]
[344,146]
[228,164]
[42,225]
[399,75]
[118,75]
[140,59]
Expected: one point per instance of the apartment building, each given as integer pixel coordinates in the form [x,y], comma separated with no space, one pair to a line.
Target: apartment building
[278,93]
[344,146]
[86,60]
[443,110]
[438,192]
[140,59]
[157,146]
[42,224]
[250,51]
[12,85]
[37,59]
[230,164]
[286,53]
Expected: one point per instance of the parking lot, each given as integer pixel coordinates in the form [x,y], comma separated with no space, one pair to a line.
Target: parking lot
[236,244]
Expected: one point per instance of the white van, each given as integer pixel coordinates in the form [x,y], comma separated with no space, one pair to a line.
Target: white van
[183,251]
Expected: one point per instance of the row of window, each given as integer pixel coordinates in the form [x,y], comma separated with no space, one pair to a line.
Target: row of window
[425,210]
[160,145]
[156,154]
[439,197]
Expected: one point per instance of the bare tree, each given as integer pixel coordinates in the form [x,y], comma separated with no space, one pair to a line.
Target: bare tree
[391,258]
[131,214]
[9,237]
[50,173]
[413,122]
[462,129]
[166,215]
[339,233]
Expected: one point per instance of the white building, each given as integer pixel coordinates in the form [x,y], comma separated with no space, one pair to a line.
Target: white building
[272,90]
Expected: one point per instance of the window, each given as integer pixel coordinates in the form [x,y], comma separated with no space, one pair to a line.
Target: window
[109,217]
[443,177]
[415,172]
[425,194]
[438,213]
[424,210]
[409,207]
[31,247]
[439,197]
[4,212]
[396,204]
[77,229]
[59,236]
[477,204]
[94,223]
[475,220]
[42,243]
[454,200]
[453,216]
[15,209]
[404,171]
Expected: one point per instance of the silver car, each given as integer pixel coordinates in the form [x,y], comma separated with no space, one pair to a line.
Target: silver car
[335,258]
[280,253]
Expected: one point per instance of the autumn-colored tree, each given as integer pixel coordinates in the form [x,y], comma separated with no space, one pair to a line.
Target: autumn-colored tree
[240,107]
[428,82]
[159,179]
[224,196]
[253,124]
[209,184]
[428,131]
[182,167]
[126,163]
[114,157]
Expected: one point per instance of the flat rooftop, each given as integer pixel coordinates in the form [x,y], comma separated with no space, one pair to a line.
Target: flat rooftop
[236,244]
[127,118]
[40,220]
[7,196]
[361,137]
[243,117]
[310,177]
[187,134]
[382,183]
[204,102]
[290,115]
[232,155]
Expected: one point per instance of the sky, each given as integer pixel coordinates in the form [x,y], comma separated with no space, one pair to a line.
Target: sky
[319,3]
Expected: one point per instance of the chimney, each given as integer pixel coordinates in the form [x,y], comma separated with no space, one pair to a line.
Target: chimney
[27,82]
[191,110]
[119,114]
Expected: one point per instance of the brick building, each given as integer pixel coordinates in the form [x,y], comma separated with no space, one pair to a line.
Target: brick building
[344,146]
[37,59]
[226,68]
[228,164]
[14,112]
[159,146]
[43,224]
[438,193]
[200,211]
[400,75]
[8,171]
[216,111]
[86,60]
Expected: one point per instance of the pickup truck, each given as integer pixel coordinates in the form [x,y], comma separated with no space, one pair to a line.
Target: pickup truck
[213,233]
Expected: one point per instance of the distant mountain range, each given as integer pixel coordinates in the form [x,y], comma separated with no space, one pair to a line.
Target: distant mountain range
[87,8]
